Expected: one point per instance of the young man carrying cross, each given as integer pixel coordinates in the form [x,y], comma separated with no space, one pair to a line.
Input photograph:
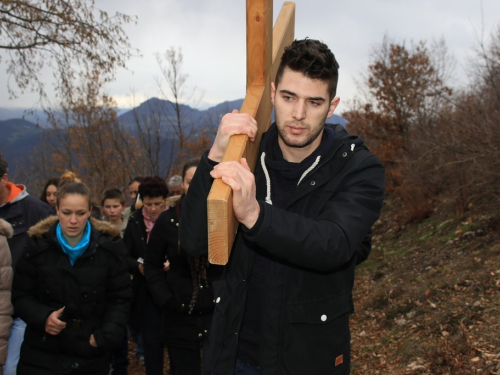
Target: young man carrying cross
[283,303]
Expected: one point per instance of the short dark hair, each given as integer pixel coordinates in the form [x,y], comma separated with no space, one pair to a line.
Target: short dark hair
[53,181]
[77,188]
[113,194]
[194,162]
[4,166]
[313,59]
[138,179]
[153,187]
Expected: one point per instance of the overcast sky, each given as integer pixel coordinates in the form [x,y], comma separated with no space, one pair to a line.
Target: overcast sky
[211,34]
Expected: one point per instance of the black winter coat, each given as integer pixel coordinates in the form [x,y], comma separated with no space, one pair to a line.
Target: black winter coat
[135,242]
[312,246]
[95,291]
[173,290]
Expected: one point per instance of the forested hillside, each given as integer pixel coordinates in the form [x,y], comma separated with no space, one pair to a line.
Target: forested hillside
[428,299]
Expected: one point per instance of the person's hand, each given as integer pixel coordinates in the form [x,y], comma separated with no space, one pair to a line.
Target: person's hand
[232,123]
[92,341]
[141,268]
[53,326]
[242,182]
[166,266]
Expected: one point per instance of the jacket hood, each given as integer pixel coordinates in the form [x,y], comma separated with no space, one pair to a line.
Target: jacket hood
[333,134]
[42,227]
[17,193]
[6,229]
[341,133]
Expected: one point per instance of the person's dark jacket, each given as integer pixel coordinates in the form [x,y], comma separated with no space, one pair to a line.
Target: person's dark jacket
[135,242]
[312,246]
[95,291]
[172,291]
[22,213]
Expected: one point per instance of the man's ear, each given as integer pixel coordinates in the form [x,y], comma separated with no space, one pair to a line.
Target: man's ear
[273,92]
[333,104]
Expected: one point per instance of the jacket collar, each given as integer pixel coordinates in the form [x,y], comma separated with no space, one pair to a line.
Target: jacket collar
[44,235]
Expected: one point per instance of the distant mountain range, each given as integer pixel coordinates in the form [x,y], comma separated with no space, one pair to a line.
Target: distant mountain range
[20,129]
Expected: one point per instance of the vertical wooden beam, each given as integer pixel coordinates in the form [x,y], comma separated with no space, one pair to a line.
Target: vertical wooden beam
[283,34]
[262,60]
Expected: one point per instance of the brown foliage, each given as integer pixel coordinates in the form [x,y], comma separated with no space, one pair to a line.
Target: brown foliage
[62,35]
[86,138]
[433,143]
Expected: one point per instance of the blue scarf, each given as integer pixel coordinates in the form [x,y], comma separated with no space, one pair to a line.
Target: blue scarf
[74,252]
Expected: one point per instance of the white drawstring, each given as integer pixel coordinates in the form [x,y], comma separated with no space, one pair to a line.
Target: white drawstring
[268,179]
[309,169]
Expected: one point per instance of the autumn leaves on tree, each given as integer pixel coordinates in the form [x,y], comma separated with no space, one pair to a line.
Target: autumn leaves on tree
[434,142]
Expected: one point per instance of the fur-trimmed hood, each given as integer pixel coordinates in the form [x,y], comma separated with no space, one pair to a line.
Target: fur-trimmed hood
[6,229]
[43,227]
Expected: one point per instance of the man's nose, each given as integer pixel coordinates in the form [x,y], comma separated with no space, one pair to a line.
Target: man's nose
[299,110]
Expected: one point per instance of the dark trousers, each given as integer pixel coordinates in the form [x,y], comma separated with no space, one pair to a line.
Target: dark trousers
[120,357]
[187,360]
[151,335]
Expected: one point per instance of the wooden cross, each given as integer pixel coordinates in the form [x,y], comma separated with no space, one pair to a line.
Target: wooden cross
[265,47]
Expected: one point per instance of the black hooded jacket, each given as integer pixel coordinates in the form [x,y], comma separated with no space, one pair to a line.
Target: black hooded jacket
[312,245]
[95,291]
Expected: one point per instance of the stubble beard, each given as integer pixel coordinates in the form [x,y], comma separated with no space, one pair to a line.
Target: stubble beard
[298,144]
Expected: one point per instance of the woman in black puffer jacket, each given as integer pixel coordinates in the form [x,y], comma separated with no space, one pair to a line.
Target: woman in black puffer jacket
[146,316]
[72,288]
[184,292]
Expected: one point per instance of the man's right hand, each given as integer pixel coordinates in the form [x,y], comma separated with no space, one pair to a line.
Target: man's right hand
[232,123]
[53,326]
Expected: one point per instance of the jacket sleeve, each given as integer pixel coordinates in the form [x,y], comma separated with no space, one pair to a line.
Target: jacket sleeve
[118,299]
[6,309]
[193,228]
[331,239]
[25,295]
[364,249]
[155,258]
[128,240]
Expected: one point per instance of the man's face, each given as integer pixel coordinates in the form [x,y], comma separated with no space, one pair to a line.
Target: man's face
[301,107]
[133,190]
[112,209]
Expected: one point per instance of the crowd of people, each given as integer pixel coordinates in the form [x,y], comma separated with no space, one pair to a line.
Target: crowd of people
[89,276]
[88,273]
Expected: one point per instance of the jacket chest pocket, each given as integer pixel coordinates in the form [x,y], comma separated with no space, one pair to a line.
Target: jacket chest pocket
[19,224]
[317,337]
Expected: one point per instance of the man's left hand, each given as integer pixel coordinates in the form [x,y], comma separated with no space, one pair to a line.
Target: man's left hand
[242,182]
